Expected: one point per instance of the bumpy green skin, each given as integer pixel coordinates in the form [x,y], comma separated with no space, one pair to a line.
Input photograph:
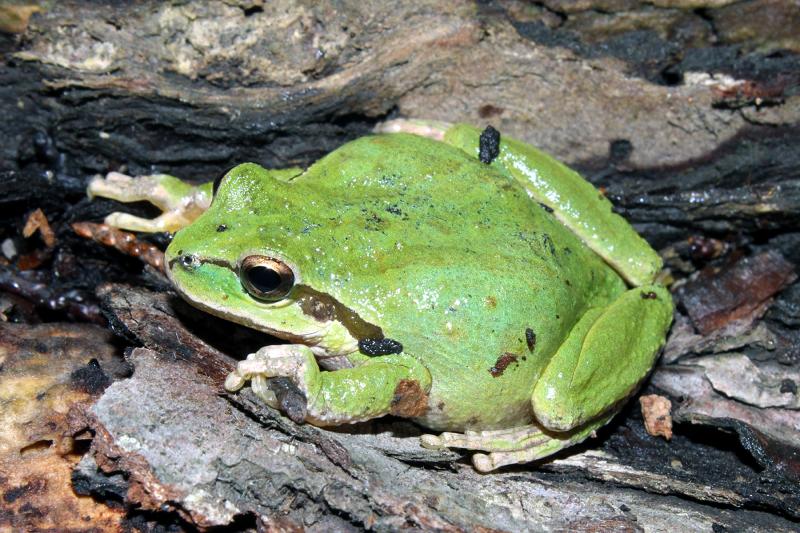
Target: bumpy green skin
[416,240]
[576,203]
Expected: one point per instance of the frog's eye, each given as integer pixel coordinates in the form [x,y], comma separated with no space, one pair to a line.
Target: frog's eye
[266,278]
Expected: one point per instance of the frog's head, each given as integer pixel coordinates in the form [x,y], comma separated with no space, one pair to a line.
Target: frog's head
[241,260]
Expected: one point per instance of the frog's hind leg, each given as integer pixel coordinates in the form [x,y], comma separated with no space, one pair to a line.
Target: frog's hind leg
[600,364]
[572,200]
[603,360]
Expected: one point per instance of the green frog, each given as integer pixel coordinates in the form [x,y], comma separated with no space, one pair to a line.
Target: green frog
[464,280]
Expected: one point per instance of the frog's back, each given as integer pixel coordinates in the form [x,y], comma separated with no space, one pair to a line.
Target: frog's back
[452,258]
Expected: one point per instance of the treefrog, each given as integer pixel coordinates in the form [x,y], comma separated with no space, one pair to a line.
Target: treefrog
[465,280]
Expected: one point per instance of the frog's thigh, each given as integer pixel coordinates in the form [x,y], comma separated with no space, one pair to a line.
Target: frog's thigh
[573,200]
[603,359]
[396,384]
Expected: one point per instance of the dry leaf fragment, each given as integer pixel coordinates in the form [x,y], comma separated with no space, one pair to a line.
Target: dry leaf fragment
[38,221]
[657,418]
[123,241]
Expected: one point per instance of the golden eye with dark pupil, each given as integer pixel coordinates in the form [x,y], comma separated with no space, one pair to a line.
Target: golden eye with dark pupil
[266,278]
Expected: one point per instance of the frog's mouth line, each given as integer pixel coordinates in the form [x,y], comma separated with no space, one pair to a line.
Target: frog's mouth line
[321,307]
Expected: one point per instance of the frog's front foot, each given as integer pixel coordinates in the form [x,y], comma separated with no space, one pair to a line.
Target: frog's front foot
[517,445]
[394,383]
[293,361]
[181,203]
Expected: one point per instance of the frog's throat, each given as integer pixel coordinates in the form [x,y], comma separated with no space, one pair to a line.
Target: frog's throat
[323,309]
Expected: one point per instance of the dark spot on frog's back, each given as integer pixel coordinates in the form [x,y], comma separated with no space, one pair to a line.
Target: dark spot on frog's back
[530,339]
[502,364]
[409,399]
[394,209]
[489,145]
[547,241]
[372,222]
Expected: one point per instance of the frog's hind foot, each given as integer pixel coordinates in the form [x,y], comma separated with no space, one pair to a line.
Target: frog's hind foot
[432,129]
[505,440]
[512,446]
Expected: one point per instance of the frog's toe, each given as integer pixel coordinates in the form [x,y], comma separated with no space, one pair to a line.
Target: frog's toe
[433,442]
[539,448]
[284,360]
[234,381]
[124,188]
[261,388]
[535,446]
[535,449]
[492,461]
[114,185]
[475,441]
[513,445]
[484,462]
[133,223]
[469,440]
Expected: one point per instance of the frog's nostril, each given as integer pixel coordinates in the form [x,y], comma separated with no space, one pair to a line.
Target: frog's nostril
[187,261]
